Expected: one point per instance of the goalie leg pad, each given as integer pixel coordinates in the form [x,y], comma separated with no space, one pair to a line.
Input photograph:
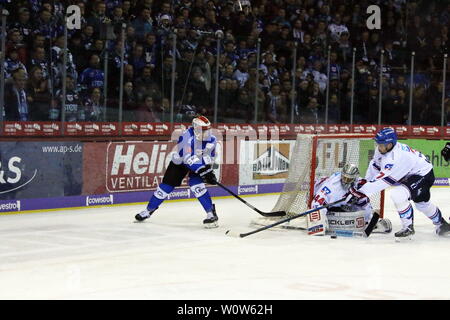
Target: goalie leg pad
[317,223]
[352,220]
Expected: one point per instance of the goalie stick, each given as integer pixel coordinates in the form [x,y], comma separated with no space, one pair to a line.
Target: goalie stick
[242,235]
[265,214]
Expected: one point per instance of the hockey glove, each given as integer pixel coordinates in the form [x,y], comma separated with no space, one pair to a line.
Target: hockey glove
[354,196]
[207,174]
[446,152]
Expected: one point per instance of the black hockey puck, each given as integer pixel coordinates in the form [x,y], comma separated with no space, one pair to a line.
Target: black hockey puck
[333,237]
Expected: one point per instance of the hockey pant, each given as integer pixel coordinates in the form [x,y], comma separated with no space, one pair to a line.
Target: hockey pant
[173,177]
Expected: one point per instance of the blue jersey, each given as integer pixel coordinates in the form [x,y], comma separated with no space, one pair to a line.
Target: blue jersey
[193,153]
[92,78]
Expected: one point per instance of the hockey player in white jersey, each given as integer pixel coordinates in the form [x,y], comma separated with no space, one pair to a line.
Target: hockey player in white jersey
[411,176]
[345,215]
[445,152]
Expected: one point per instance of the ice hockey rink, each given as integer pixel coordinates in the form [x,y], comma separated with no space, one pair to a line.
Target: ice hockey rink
[101,253]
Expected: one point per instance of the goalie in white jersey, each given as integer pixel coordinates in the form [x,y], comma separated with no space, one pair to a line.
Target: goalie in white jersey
[411,176]
[344,215]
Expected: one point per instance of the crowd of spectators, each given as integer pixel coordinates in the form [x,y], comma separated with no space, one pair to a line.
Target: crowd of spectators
[304,34]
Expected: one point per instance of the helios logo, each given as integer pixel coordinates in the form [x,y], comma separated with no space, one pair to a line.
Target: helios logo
[99,200]
[10,206]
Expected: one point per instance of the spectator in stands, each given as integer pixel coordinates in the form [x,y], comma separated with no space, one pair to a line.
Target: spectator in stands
[147,85]
[129,102]
[241,73]
[39,59]
[24,25]
[312,113]
[35,31]
[74,109]
[198,89]
[147,111]
[143,24]
[276,108]
[242,109]
[93,76]
[93,107]
[39,96]
[15,41]
[334,110]
[16,102]
[12,62]
[98,16]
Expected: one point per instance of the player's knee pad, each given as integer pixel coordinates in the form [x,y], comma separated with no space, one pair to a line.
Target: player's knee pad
[162,192]
[400,197]
[199,189]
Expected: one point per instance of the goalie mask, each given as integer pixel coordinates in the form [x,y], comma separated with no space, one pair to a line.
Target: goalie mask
[202,128]
[349,174]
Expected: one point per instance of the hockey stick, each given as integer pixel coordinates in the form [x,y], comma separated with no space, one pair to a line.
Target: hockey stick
[242,235]
[360,234]
[265,214]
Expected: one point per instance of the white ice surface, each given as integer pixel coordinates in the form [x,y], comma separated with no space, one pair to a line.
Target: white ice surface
[100,253]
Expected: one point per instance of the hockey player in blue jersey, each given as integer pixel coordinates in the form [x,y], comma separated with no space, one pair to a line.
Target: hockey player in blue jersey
[195,156]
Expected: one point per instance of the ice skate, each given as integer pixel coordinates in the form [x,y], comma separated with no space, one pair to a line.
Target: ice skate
[212,220]
[141,216]
[443,229]
[405,233]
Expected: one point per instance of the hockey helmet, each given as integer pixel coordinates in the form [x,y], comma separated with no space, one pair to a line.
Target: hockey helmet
[202,127]
[386,136]
[349,174]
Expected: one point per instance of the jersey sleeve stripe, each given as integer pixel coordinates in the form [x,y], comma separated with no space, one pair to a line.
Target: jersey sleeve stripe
[376,166]
[390,180]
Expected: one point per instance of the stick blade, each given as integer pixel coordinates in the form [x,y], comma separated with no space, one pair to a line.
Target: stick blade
[234,234]
[372,223]
[274,214]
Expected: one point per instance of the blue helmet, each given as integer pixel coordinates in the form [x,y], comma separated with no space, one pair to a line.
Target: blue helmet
[385,136]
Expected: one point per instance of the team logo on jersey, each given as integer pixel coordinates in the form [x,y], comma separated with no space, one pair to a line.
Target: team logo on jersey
[326,190]
[314,216]
[388,166]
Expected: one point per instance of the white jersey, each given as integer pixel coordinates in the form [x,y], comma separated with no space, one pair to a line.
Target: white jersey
[330,189]
[388,169]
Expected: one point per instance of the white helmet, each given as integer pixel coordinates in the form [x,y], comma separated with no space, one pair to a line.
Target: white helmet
[202,128]
[349,174]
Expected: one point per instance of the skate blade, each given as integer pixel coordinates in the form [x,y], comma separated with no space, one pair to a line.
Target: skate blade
[211,225]
[403,239]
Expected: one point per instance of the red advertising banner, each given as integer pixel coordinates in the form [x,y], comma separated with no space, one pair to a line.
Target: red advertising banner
[426,131]
[339,128]
[136,166]
[46,128]
[309,128]
[29,128]
[365,128]
[146,128]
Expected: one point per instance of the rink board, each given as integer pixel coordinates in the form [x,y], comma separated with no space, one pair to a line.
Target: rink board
[50,175]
